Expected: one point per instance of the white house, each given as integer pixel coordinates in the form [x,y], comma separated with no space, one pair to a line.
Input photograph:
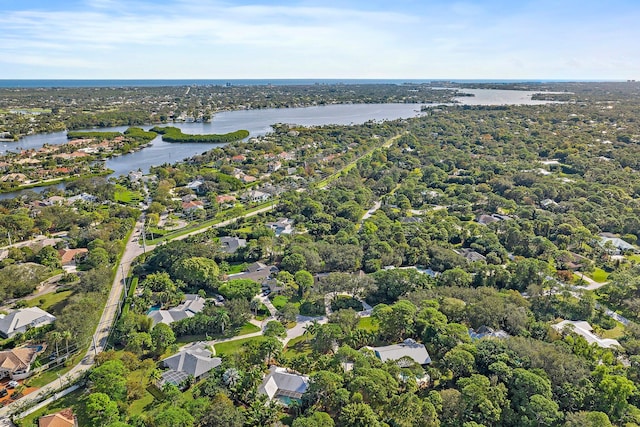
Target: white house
[21,320]
[281,226]
[407,348]
[585,330]
[192,305]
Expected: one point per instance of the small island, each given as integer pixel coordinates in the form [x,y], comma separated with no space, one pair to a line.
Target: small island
[173,134]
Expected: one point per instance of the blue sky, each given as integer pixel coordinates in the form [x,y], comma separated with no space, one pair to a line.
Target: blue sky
[404,39]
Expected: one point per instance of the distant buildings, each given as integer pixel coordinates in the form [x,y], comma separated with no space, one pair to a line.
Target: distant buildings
[257,272]
[23,319]
[616,245]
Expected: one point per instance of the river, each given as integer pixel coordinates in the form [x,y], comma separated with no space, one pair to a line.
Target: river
[258,122]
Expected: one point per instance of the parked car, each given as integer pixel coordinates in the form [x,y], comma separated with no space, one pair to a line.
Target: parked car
[13,384]
[3,392]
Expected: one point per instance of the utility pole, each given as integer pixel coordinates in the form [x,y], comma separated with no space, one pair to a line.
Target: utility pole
[9,235]
[124,281]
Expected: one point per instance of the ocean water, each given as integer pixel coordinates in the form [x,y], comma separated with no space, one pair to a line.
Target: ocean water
[9,83]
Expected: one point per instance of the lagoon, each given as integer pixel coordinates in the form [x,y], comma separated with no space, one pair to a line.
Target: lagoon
[258,122]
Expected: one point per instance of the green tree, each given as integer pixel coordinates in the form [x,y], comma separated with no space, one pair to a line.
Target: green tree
[293,263]
[275,329]
[222,412]
[359,415]
[304,280]
[240,288]
[587,419]
[174,417]
[316,419]
[197,272]
[110,378]
[101,410]
[48,256]
[162,337]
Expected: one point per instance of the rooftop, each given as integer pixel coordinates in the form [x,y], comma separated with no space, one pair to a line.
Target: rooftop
[585,330]
[407,348]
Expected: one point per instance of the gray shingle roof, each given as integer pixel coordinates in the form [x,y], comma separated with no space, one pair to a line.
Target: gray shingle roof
[408,348]
[195,360]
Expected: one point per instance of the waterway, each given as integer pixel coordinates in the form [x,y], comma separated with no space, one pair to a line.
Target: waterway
[258,122]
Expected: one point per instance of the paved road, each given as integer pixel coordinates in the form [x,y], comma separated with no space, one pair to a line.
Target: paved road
[132,250]
[592,284]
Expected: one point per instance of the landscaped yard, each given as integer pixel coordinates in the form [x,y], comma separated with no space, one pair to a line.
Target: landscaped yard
[367,324]
[298,346]
[124,195]
[599,275]
[248,328]
[230,347]
[71,400]
[614,333]
[52,302]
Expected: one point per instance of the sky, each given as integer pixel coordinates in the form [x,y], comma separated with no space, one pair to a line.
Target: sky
[315,39]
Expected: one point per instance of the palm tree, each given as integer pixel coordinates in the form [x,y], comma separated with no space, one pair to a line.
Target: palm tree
[255,306]
[231,378]
[222,319]
[311,328]
[55,337]
[66,336]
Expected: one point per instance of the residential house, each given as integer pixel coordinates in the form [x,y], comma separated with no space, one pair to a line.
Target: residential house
[470,255]
[69,257]
[255,196]
[548,203]
[135,176]
[195,185]
[64,418]
[16,363]
[616,245]
[408,348]
[84,197]
[231,244]
[14,177]
[224,199]
[257,272]
[283,385]
[239,158]
[281,226]
[19,321]
[192,305]
[585,330]
[195,361]
[192,206]
[487,332]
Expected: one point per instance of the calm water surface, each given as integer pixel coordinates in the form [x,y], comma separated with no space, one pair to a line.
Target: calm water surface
[258,122]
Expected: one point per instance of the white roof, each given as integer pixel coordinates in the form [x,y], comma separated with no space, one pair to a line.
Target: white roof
[20,320]
[585,330]
[408,348]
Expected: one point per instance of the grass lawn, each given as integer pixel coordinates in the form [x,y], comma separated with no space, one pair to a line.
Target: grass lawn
[367,324]
[231,347]
[52,374]
[141,405]
[237,268]
[599,275]
[279,301]
[635,257]
[124,195]
[248,328]
[614,333]
[298,346]
[53,302]
[73,400]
